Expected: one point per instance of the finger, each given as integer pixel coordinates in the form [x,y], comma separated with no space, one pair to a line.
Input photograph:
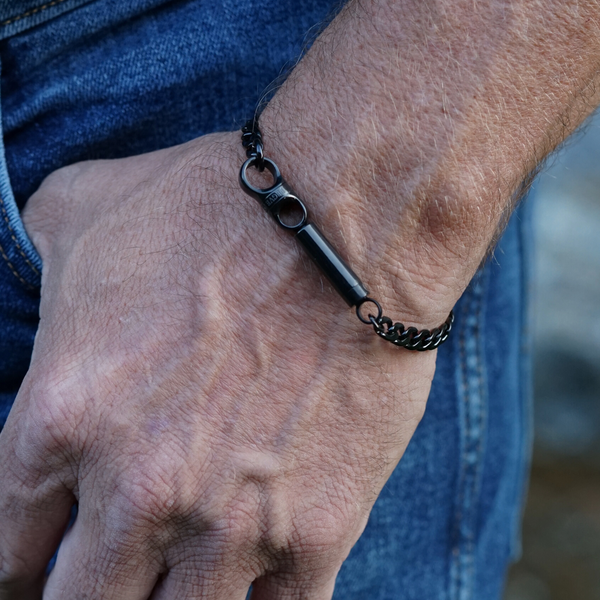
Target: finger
[195,580]
[208,566]
[34,513]
[308,586]
[99,560]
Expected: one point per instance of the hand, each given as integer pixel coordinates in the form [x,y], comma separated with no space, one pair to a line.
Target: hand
[215,410]
[218,416]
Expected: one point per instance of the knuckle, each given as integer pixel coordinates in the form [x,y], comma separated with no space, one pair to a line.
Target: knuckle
[119,539]
[234,525]
[315,538]
[321,532]
[62,177]
[53,417]
[49,211]
[135,517]
[145,498]
[152,504]
[150,493]
[53,185]
[117,544]
[46,206]
[238,528]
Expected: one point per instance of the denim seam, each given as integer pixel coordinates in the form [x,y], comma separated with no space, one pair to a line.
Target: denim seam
[14,238]
[13,270]
[460,500]
[482,414]
[33,11]
[464,550]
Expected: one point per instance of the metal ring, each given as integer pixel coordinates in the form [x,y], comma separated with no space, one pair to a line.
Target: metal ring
[271,167]
[368,320]
[292,199]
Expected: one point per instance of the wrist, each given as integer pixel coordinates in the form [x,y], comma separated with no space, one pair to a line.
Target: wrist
[398,246]
[407,135]
[272,195]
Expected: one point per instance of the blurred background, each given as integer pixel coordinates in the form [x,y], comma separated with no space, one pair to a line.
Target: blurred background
[561,530]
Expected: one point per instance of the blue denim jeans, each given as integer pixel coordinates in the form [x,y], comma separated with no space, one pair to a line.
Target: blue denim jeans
[86,79]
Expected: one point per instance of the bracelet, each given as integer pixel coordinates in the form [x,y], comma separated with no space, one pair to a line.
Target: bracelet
[280,201]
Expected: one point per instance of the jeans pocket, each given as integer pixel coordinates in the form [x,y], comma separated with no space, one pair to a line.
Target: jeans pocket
[17,252]
[19,15]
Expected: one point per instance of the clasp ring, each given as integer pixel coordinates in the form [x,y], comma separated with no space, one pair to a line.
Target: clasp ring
[368,320]
[270,166]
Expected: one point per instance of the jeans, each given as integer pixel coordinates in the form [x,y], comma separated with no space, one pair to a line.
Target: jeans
[86,79]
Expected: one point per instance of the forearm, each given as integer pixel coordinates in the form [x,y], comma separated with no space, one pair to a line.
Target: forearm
[410,126]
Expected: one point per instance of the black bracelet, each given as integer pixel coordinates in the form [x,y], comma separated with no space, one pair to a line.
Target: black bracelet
[281,202]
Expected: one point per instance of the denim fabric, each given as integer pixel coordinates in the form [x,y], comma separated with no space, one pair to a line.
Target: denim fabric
[20,275]
[447,521]
[106,78]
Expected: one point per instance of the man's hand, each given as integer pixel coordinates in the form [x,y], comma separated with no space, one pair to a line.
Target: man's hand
[215,410]
[217,414]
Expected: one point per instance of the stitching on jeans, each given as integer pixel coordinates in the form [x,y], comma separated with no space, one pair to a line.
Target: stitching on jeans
[13,270]
[480,416]
[463,550]
[14,239]
[32,12]
[461,482]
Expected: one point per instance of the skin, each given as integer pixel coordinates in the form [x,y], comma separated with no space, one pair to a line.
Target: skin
[195,386]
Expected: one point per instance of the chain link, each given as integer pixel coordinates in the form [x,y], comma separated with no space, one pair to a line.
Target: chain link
[410,337]
[253,142]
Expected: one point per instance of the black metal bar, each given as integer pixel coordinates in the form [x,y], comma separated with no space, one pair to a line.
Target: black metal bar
[333,266]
